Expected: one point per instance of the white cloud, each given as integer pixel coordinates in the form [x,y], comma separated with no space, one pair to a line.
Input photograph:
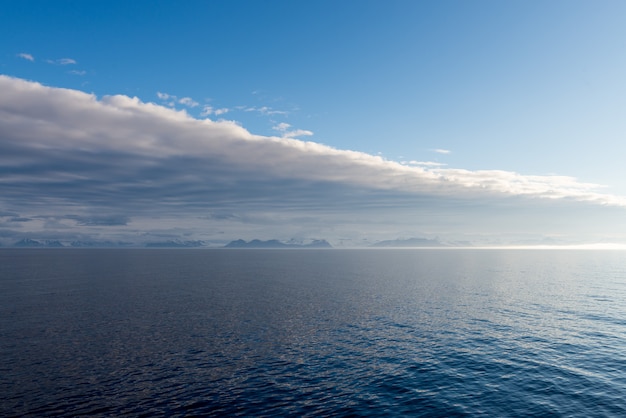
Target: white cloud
[78,72]
[209,110]
[70,119]
[297,132]
[62,61]
[26,56]
[284,128]
[65,152]
[172,100]
[441,151]
[188,101]
[264,110]
[167,99]
[426,163]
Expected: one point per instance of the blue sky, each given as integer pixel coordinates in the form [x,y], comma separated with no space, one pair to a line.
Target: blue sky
[523,99]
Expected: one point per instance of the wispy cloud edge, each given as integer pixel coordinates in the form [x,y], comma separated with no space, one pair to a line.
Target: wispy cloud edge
[26,56]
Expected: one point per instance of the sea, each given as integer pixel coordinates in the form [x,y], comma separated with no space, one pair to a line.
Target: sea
[369,332]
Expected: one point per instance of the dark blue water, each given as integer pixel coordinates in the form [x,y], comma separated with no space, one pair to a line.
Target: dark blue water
[312,332]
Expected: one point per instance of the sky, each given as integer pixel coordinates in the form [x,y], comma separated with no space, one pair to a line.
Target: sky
[485,122]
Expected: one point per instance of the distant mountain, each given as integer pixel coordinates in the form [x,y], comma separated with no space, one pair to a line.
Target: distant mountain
[31,243]
[99,244]
[83,244]
[411,242]
[317,243]
[53,244]
[176,244]
[274,243]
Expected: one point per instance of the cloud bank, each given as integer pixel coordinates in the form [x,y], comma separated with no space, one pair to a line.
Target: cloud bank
[71,161]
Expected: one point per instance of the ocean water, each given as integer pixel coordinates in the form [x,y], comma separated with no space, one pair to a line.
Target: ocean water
[312,332]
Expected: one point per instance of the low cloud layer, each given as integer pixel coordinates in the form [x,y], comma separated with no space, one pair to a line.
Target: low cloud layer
[116,165]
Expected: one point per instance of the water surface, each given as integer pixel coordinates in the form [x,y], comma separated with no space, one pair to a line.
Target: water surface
[312,332]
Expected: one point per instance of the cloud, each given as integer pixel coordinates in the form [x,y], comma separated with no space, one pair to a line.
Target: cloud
[62,61]
[209,110]
[284,129]
[426,163]
[128,167]
[78,72]
[171,100]
[188,101]
[264,110]
[26,56]
[17,219]
[441,151]
[108,220]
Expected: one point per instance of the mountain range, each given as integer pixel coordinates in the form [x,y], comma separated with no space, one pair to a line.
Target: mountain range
[274,243]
